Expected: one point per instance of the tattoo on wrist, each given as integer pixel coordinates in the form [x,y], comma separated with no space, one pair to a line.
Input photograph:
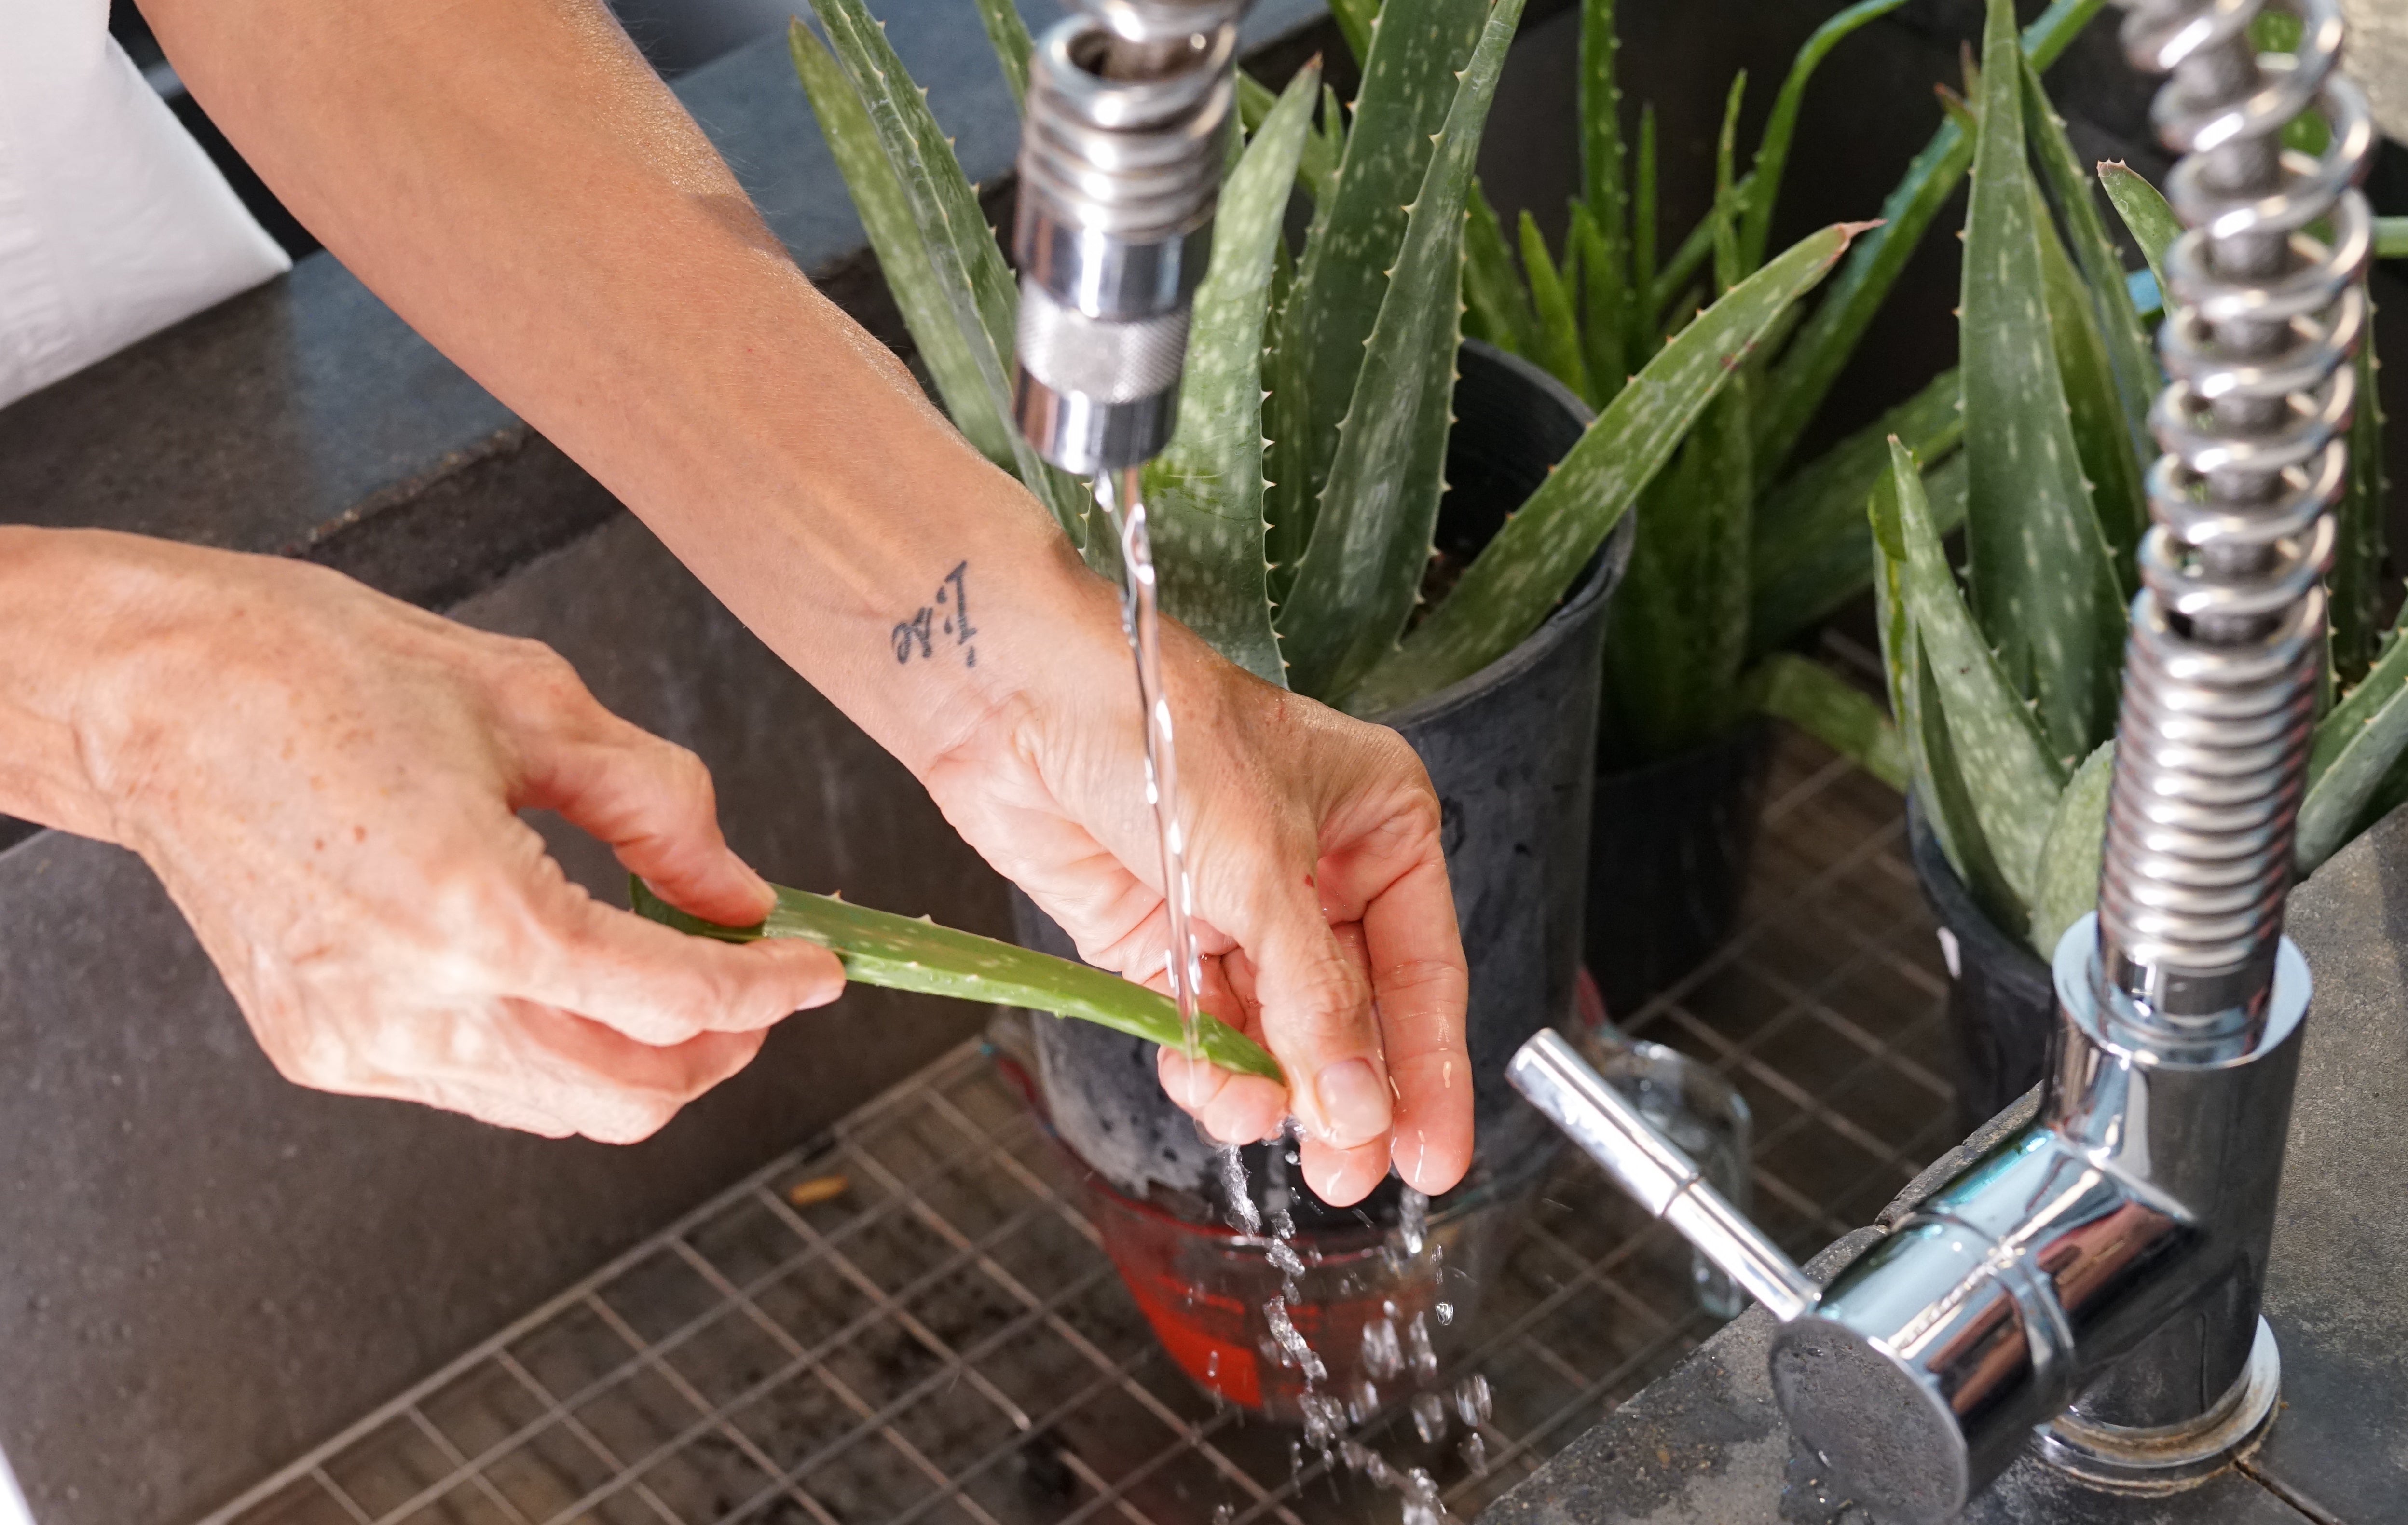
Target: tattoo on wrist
[943,626]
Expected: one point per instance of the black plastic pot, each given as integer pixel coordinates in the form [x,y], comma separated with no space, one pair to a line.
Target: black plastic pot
[1667,855]
[2001,1001]
[1509,750]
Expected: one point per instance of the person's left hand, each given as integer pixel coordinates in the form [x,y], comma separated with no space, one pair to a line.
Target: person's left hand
[1327,924]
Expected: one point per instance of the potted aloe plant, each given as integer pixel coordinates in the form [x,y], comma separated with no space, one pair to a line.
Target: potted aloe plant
[1302,517]
[1742,546]
[2008,734]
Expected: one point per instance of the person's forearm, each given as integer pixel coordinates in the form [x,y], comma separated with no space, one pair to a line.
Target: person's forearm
[514,180]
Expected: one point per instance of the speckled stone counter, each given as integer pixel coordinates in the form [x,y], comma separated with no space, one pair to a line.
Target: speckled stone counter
[1706,1445]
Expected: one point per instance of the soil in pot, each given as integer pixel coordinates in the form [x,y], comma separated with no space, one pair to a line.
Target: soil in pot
[2001,1001]
[1669,847]
[1511,754]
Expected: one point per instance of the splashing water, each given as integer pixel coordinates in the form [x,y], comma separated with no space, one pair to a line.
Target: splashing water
[1473,1401]
[1430,1418]
[1425,1355]
[1292,1346]
[1413,1220]
[1474,1451]
[1142,618]
[1241,1210]
[1422,1505]
[1384,1354]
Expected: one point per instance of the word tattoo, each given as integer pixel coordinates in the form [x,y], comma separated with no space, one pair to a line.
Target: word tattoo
[917,636]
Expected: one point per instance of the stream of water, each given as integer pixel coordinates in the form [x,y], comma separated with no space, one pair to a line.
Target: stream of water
[1327,1417]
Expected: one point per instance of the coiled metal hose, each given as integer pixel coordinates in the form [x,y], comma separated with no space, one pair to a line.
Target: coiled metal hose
[2265,311]
[1128,116]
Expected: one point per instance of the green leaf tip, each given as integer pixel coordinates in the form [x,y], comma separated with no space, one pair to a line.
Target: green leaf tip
[913,953]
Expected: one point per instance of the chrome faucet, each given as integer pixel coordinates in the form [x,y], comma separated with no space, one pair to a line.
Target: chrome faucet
[2091,1286]
[1129,108]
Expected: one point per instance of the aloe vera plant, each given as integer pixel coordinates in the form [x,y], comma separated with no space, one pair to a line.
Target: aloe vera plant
[1740,547]
[1293,513]
[878,948]
[2003,681]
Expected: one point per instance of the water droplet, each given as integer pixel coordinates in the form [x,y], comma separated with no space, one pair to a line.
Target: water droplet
[1446,1313]
[1384,1354]
[1430,1418]
[1473,1400]
[1474,1451]
[1425,1356]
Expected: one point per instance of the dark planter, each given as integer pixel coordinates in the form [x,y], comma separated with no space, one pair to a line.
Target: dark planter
[1667,855]
[2001,1001]
[1510,751]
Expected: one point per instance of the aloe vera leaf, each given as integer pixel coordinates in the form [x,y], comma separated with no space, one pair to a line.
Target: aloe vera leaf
[1532,561]
[1811,364]
[1371,533]
[2010,771]
[1729,203]
[1410,82]
[1696,248]
[2353,583]
[1318,160]
[911,953]
[1772,151]
[902,252]
[2094,405]
[2356,745]
[1640,307]
[1286,458]
[963,256]
[1904,673]
[2066,889]
[1357,21]
[1810,553]
[2151,222]
[1204,494]
[1497,305]
[1605,292]
[1677,632]
[1558,347]
[2133,360]
[1605,200]
[1603,168]
[2043,582]
[1834,712]
[2391,237]
[1008,34]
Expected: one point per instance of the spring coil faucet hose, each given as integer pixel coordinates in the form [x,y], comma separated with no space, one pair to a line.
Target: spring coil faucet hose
[1129,109]
[2225,653]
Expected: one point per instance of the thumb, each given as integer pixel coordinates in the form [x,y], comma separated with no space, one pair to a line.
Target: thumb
[652,801]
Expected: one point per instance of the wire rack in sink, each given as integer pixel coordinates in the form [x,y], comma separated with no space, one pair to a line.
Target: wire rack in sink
[911,1321]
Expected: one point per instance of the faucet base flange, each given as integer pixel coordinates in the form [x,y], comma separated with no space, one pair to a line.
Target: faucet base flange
[2172,1457]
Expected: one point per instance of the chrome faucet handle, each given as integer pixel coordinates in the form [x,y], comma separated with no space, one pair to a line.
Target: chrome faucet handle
[1551,1075]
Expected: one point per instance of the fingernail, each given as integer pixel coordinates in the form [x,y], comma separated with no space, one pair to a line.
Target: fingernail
[1354,1102]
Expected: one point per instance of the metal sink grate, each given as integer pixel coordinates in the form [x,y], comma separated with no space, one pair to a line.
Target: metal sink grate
[912,1322]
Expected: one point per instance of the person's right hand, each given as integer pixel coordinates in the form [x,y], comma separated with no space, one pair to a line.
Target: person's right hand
[326,780]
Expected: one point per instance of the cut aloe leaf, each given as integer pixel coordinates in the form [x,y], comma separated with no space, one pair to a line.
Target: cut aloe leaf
[2354,746]
[1532,561]
[905,953]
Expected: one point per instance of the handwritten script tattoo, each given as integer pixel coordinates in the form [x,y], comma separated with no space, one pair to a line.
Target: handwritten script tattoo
[924,634]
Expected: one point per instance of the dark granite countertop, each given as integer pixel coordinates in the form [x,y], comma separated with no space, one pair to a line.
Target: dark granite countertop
[1706,1445]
